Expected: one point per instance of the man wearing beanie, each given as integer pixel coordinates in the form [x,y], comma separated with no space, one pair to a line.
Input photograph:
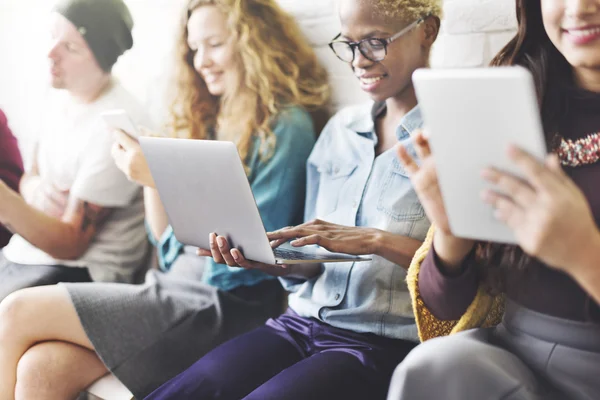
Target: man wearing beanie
[79,219]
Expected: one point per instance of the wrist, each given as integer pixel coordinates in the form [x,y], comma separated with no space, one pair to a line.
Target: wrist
[5,198]
[587,264]
[378,241]
[451,250]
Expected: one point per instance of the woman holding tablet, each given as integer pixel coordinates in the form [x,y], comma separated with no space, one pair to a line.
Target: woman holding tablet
[348,323]
[246,74]
[547,289]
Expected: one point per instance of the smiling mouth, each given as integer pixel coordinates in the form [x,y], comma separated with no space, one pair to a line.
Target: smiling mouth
[583,33]
[371,80]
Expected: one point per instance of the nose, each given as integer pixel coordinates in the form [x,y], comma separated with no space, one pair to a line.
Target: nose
[54,51]
[361,61]
[202,59]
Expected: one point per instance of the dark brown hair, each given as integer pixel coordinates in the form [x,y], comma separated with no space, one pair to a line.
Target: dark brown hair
[530,48]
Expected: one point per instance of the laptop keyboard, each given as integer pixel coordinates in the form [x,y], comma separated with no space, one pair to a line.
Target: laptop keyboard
[288,254]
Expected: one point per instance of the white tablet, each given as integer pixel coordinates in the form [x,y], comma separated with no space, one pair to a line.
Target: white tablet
[472,116]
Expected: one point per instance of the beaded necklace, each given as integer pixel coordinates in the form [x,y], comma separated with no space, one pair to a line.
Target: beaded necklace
[584,151]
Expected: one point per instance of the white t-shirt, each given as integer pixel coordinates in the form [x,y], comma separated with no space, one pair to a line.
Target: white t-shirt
[74,154]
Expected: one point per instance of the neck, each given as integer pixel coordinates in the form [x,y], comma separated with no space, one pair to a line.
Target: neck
[401,104]
[588,79]
[93,91]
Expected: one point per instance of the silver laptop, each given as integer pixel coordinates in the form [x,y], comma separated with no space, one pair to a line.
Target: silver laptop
[204,189]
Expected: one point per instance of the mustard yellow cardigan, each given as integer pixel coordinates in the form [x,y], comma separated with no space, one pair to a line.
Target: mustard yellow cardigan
[484,311]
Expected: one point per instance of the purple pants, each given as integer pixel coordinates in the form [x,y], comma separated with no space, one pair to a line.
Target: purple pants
[292,358]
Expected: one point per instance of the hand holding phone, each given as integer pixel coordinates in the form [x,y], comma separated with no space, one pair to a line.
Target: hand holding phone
[119,120]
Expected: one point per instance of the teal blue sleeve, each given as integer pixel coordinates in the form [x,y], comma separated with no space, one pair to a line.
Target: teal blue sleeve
[168,247]
[279,184]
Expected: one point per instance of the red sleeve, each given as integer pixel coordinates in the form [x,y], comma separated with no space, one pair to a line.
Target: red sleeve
[11,164]
[447,297]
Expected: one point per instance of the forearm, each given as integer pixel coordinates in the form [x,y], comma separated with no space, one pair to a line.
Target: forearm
[58,239]
[28,186]
[451,252]
[395,248]
[156,215]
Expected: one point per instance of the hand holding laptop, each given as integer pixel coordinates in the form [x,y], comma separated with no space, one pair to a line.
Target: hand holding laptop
[222,253]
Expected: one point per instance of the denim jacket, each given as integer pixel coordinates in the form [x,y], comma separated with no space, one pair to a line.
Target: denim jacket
[347,184]
[278,184]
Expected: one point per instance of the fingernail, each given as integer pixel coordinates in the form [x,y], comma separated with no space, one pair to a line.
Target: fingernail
[497,214]
[235,255]
[220,242]
[486,196]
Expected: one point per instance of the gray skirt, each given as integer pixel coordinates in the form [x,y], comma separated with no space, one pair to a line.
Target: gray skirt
[147,334]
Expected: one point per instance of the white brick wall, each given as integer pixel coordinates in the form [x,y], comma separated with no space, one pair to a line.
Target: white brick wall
[472,32]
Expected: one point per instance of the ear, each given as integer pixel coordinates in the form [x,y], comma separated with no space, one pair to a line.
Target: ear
[432,29]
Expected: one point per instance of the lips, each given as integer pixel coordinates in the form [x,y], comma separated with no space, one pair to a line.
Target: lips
[212,77]
[583,35]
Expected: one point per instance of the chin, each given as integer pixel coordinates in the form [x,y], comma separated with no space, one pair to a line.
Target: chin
[216,90]
[379,97]
[57,84]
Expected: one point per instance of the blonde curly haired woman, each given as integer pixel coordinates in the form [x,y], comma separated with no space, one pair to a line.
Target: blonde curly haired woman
[349,324]
[247,75]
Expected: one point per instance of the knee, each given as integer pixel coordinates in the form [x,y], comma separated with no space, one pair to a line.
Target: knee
[441,355]
[415,368]
[33,369]
[13,316]
[433,364]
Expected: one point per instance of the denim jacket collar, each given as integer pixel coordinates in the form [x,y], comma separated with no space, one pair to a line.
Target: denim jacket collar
[363,121]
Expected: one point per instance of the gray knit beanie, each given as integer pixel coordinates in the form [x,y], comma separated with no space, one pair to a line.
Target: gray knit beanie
[105,24]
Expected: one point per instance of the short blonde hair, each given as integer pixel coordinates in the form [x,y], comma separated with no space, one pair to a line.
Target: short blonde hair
[408,10]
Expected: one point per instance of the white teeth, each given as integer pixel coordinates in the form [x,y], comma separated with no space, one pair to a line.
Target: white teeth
[585,32]
[370,81]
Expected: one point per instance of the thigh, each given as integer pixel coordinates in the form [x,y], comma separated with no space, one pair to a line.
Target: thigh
[14,277]
[575,372]
[324,376]
[465,366]
[43,313]
[233,369]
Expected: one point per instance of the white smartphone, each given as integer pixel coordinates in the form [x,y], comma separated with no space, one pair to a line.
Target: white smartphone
[472,116]
[119,119]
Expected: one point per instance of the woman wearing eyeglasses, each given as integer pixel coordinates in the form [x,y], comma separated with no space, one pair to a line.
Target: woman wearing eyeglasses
[348,324]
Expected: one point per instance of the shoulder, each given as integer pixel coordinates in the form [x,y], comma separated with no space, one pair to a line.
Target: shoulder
[120,97]
[349,119]
[294,126]
[293,118]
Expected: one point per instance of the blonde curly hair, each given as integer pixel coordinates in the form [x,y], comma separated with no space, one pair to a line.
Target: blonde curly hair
[278,69]
[408,10]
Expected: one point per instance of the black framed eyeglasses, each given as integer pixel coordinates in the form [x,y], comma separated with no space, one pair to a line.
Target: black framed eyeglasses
[373,49]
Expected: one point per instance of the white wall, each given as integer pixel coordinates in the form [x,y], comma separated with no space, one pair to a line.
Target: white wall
[472,32]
